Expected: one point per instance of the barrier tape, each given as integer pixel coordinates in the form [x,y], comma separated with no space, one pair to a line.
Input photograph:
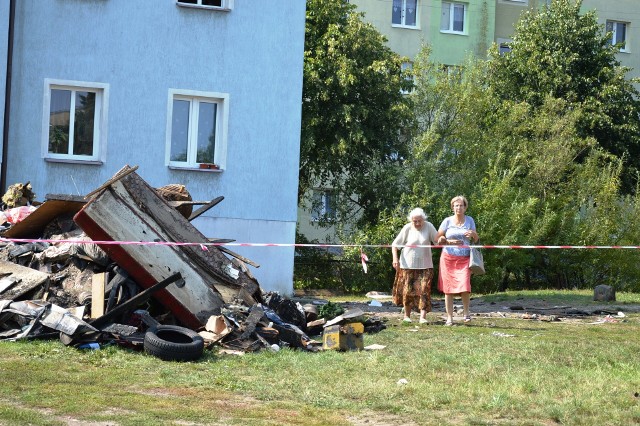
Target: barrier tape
[230,244]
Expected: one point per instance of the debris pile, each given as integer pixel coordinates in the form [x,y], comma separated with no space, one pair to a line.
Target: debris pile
[125,265]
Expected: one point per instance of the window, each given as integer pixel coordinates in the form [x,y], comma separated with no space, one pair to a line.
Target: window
[324,205]
[207,4]
[407,68]
[504,46]
[74,121]
[619,34]
[197,129]
[404,13]
[454,17]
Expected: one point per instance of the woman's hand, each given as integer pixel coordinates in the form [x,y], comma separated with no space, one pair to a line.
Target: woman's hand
[395,264]
[472,235]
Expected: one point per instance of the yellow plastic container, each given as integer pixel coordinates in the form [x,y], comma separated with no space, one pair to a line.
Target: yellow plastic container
[346,337]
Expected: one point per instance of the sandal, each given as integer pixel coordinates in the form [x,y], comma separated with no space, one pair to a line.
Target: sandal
[449,323]
[423,321]
[406,319]
[467,318]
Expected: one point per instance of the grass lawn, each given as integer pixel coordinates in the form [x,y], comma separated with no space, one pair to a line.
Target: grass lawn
[494,371]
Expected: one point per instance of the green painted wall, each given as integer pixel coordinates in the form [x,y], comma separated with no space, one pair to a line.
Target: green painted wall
[452,49]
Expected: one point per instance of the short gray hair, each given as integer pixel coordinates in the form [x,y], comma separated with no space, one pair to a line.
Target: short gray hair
[415,213]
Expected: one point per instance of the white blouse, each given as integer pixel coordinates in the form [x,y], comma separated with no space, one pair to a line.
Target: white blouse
[416,257]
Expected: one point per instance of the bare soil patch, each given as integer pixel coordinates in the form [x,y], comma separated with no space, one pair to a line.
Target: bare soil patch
[519,308]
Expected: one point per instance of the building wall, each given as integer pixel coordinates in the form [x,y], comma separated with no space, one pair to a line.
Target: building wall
[404,41]
[452,49]
[494,25]
[507,14]
[4,35]
[449,49]
[144,48]
[627,11]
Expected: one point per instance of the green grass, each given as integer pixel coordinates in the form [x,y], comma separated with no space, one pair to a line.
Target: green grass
[571,373]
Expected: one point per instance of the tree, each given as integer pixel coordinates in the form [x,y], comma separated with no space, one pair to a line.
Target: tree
[561,53]
[516,163]
[354,115]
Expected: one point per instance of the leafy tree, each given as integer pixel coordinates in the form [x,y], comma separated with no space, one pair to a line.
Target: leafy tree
[353,111]
[516,163]
[561,53]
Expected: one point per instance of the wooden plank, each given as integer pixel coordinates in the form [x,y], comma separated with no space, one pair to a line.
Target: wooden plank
[237,256]
[121,173]
[27,279]
[204,208]
[98,283]
[33,225]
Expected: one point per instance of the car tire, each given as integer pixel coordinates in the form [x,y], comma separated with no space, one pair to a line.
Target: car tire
[173,343]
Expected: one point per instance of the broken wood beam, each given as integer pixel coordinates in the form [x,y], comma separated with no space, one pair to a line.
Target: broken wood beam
[122,173]
[204,208]
[239,257]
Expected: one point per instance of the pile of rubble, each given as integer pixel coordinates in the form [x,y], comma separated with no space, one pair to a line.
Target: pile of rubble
[125,265]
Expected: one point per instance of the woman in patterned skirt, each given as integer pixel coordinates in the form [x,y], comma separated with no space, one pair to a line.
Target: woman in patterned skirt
[414,265]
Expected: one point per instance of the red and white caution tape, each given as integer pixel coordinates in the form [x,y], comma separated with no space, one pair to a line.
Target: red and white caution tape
[203,245]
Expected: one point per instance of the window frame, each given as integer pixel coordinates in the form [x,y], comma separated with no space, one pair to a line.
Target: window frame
[614,23]
[101,114]
[465,21]
[221,129]
[321,208]
[408,66]
[403,16]
[227,5]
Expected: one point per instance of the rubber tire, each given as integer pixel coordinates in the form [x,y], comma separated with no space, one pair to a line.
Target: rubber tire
[173,343]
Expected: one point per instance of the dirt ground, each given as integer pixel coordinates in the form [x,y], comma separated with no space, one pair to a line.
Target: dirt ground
[523,308]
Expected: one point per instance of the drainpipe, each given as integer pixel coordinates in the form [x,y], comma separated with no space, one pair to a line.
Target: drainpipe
[7,98]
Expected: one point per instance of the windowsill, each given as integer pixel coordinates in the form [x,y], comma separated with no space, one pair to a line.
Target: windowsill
[195,169]
[197,6]
[74,161]
[453,33]
[405,27]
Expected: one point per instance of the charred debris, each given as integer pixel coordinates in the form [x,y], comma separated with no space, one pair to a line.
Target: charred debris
[124,265]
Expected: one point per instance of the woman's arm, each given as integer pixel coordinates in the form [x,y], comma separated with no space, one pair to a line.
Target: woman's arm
[394,252]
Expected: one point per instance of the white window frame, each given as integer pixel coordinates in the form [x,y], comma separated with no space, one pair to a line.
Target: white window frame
[101,90]
[465,22]
[323,210]
[403,17]
[614,29]
[407,66]
[222,122]
[227,5]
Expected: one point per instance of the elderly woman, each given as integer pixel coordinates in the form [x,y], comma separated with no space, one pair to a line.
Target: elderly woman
[414,266]
[454,277]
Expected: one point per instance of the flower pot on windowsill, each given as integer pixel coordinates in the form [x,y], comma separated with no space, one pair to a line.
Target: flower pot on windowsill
[209,166]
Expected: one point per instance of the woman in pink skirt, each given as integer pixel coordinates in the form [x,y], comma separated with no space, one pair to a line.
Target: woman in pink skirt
[454,278]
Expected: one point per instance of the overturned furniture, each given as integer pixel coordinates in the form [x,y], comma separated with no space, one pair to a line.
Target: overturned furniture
[151,240]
